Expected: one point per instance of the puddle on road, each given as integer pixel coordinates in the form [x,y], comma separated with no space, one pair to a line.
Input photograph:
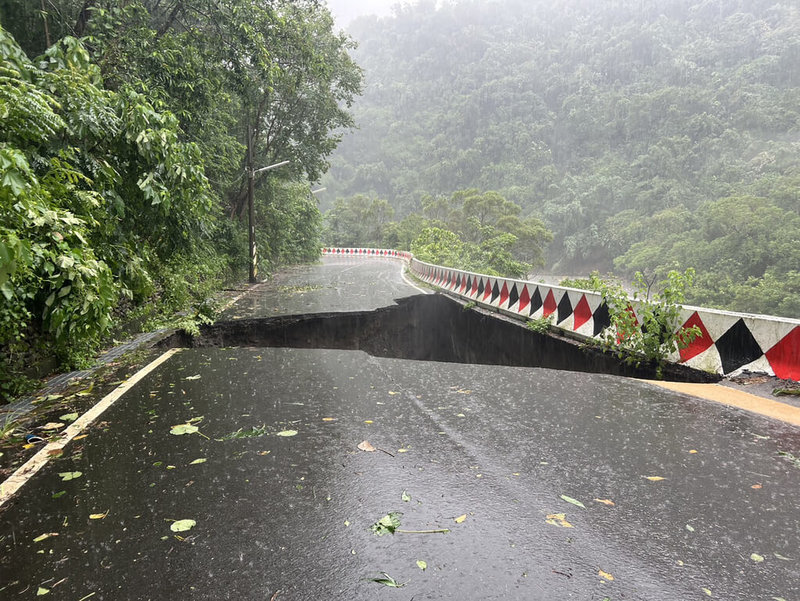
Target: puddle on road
[426,328]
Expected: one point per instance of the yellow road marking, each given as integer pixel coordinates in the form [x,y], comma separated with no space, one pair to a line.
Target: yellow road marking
[15,481]
[737,398]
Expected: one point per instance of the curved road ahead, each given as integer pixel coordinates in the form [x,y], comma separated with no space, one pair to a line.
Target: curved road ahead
[553,484]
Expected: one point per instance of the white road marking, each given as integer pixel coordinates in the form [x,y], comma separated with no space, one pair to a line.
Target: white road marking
[16,480]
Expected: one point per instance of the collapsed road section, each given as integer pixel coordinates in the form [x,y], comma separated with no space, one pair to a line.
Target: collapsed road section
[428,328]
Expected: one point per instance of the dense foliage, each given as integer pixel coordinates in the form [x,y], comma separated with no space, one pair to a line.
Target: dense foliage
[649,135]
[123,156]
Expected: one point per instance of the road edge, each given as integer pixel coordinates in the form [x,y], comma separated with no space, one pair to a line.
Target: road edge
[26,471]
[736,398]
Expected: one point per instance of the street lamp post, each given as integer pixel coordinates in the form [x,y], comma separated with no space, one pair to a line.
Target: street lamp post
[251,211]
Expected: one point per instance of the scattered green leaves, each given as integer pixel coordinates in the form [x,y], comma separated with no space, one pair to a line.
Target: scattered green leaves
[795,461]
[182,525]
[573,501]
[182,429]
[67,476]
[387,580]
[69,417]
[558,519]
[387,524]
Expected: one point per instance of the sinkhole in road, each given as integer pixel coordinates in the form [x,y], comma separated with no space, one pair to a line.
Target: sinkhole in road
[427,327]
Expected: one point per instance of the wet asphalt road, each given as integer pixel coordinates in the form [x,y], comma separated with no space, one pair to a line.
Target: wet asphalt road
[288,517]
[338,284]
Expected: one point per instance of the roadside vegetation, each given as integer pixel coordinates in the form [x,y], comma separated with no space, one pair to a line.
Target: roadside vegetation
[646,325]
[123,154]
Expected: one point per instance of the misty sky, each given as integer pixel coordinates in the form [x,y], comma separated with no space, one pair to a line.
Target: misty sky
[346,10]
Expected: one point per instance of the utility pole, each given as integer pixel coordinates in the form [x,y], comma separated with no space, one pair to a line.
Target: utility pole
[251,210]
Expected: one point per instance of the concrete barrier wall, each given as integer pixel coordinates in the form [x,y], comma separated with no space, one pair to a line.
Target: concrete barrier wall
[368,252]
[730,342]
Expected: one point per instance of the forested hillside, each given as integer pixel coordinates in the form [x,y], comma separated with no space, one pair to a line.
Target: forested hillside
[647,134]
[123,162]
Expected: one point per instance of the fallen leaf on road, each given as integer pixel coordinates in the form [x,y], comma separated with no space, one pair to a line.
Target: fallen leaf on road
[405,496]
[67,476]
[757,558]
[707,592]
[757,486]
[329,419]
[461,518]
[779,556]
[195,377]
[365,446]
[287,433]
[182,525]
[98,516]
[693,452]
[392,392]
[42,591]
[69,417]
[573,501]
[182,429]
[196,461]
[559,519]
[422,565]
[44,536]
[606,502]
[654,478]
[387,524]
[387,581]
[605,575]
[51,426]
[689,528]
[368,421]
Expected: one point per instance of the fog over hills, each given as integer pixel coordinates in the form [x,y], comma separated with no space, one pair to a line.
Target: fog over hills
[646,134]
[345,11]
